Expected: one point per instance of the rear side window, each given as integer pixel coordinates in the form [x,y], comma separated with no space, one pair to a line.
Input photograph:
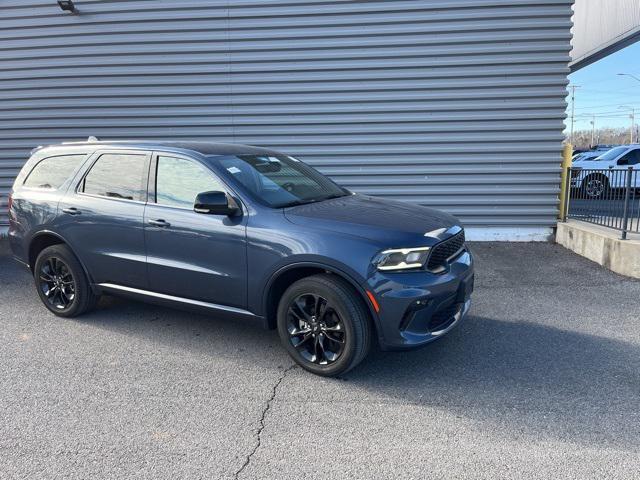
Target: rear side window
[52,172]
[117,176]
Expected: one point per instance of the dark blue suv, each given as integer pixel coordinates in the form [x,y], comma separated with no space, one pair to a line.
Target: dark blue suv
[241,231]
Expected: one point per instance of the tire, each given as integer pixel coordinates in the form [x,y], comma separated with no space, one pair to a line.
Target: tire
[318,349]
[58,270]
[595,186]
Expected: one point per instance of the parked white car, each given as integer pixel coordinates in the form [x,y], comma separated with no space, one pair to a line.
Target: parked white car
[587,156]
[596,177]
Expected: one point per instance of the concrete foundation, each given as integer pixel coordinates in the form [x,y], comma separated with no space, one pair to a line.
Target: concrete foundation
[602,245]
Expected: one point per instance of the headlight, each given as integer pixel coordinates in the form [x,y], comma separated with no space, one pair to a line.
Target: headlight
[402,258]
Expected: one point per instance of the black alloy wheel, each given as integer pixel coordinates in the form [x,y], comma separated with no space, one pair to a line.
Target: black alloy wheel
[57,283]
[62,283]
[596,186]
[324,324]
[315,329]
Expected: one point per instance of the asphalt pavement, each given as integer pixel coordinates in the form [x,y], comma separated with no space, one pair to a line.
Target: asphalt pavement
[542,380]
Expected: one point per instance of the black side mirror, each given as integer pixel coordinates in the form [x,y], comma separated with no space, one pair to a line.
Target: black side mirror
[216,203]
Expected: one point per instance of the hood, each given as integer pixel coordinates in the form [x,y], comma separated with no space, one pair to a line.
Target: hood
[592,164]
[387,222]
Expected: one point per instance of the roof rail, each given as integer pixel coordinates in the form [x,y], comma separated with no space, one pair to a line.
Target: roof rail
[91,139]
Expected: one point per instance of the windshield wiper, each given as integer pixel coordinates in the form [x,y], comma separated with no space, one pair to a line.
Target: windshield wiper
[295,203]
[335,195]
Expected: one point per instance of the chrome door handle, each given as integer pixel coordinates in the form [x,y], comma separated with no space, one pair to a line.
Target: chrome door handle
[160,223]
[72,211]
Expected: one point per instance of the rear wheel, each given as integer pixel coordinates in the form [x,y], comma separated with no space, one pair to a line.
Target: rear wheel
[324,325]
[62,284]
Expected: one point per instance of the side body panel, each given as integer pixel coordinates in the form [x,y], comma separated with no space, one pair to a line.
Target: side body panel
[197,256]
[106,233]
[107,236]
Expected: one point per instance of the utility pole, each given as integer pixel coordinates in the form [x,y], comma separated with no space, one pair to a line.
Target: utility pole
[593,130]
[633,111]
[632,116]
[573,109]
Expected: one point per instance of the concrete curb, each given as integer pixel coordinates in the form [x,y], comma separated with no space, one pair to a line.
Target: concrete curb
[602,245]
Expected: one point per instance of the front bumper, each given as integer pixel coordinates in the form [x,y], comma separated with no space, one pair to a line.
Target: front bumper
[419,307]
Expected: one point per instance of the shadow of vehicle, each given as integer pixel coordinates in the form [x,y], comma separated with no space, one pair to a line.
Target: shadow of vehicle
[524,377]
[527,377]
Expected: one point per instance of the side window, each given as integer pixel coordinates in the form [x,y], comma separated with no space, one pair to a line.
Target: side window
[117,176]
[630,158]
[179,181]
[52,172]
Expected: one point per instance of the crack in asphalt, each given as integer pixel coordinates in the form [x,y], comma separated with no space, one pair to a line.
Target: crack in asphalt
[261,425]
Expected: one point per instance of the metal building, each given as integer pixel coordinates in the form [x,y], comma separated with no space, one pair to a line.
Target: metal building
[602,27]
[456,104]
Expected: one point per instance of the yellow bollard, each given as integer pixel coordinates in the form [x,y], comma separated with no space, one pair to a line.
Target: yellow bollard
[567,150]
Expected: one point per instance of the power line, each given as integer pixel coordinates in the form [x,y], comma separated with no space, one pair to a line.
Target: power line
[609,92]
[602,115]
[606,105]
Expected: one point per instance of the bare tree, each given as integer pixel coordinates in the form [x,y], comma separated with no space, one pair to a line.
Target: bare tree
[602,136]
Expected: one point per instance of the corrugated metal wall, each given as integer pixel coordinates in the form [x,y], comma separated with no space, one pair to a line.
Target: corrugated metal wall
[457,104]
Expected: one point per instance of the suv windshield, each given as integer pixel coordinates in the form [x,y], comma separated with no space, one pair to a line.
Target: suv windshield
[279,180]
[612,154]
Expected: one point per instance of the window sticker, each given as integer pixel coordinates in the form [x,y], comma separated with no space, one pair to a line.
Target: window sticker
[233,170]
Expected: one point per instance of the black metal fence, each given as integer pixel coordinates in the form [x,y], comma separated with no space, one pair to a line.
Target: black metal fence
[608,197]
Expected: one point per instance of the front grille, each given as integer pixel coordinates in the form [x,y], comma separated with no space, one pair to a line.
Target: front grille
[444,251]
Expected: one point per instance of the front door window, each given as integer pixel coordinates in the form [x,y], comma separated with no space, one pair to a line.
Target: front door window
[179,181]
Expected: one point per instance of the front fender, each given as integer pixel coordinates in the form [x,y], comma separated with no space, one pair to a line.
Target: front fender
[327,264]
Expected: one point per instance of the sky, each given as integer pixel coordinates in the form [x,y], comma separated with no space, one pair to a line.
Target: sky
[601,91]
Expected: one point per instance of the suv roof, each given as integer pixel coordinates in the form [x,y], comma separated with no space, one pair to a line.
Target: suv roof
[204,148]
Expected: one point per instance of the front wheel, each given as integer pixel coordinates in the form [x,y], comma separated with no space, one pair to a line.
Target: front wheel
[324,325]
[595,186]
